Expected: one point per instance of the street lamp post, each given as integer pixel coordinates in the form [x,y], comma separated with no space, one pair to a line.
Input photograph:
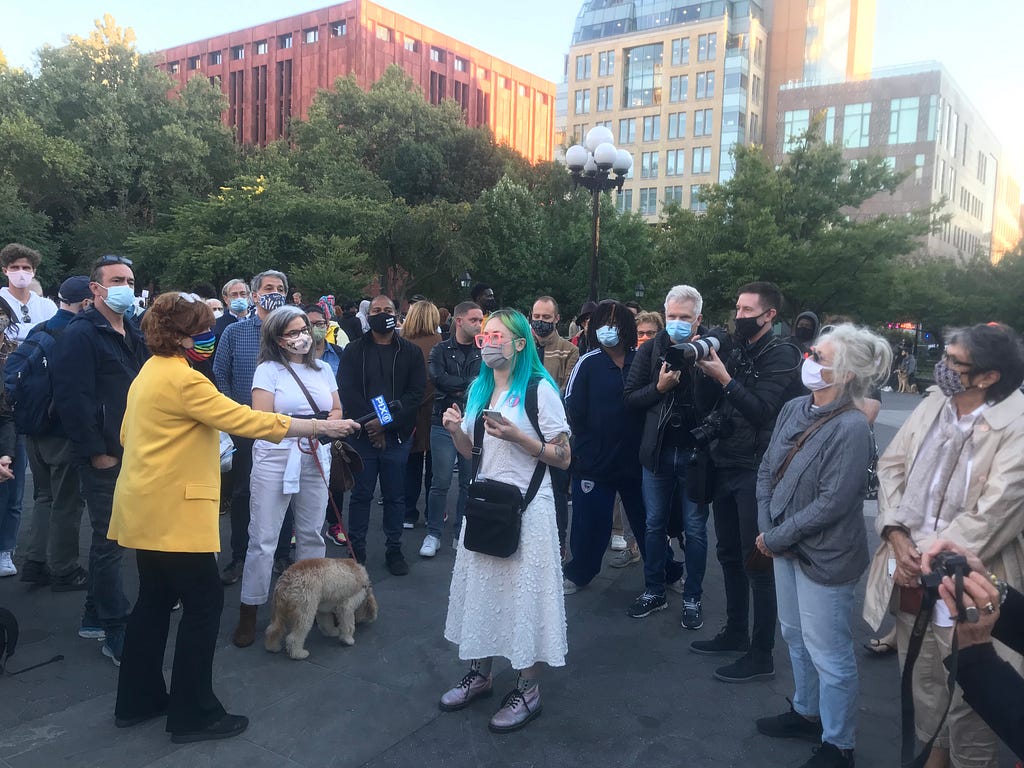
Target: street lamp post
[589,165]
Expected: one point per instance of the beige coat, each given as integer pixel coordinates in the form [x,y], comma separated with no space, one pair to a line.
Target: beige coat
[992,524]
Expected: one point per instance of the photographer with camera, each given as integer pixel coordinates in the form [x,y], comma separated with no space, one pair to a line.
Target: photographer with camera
[761,373]
[667,393]
[954,470]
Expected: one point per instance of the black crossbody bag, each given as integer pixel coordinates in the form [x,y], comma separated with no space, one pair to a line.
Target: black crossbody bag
[494,510]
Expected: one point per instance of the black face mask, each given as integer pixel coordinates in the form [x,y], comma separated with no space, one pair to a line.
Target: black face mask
[382,323]
[803,333]
[747,327]
[542,328]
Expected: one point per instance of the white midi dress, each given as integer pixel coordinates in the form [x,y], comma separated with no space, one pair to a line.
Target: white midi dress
[514,607]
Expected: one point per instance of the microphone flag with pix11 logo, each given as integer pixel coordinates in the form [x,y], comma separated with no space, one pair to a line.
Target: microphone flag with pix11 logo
[380,407]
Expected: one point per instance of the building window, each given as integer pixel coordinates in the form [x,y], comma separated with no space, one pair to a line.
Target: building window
[701,162]
[583,101]
[583,64]
[707,46]
[606,63]
[903,120]
[696,204]
[674,195]
[383,33]
[705,85]
[412,45]
[605,98]
[174,67]
[830,125]
[261,47]
[215,57]
[794,124]
[642,79]
[652,128]
[339,28]
[284,41]
[237,53]
[678,87]
[627,131]
[675,162]
[681,51]
[648,165]
[677,125]
[624,201]
[310,35]
[648,201]
[193,62]
[703,120]
[461,65]
[856,125]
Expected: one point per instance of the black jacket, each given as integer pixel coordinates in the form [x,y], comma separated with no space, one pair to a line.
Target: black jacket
[93,367]
[766,375]
[693,398]
[452,371]
[408,382]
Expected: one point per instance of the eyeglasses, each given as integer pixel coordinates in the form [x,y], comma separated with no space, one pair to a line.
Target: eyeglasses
[646,334]
[492,339]
[294,334]
[25,316]
[112,259]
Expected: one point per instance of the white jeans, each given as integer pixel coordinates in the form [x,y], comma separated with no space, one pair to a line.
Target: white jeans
[267,507]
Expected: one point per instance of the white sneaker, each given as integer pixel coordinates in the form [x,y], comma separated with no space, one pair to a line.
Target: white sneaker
[569,587]
[7,565]
[618,543]
[430,546]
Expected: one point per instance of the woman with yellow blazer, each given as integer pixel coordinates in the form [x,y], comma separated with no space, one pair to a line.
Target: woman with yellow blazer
[166,507]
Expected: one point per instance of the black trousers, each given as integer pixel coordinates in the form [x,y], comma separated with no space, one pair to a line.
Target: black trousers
[735,511]
[165,578]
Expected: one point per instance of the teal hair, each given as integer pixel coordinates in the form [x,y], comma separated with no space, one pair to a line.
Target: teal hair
[526,365]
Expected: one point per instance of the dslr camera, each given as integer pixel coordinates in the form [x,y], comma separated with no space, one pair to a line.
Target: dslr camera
[956,567]
[681,356]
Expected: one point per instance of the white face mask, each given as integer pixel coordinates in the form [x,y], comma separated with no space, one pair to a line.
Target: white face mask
[810,375]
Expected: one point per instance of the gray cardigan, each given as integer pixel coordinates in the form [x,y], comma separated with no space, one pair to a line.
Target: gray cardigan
[816,512]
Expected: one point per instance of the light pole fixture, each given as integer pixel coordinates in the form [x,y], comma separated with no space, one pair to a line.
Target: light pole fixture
[640,290]
[589,165]
[466,280]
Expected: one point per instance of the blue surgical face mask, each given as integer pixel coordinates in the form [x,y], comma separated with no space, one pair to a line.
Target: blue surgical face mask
[608,336]
[238,306]
[120,298]
[679,330]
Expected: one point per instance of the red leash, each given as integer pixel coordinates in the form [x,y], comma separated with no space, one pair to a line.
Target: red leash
[315,453]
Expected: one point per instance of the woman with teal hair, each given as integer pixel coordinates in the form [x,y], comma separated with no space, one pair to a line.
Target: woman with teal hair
[511,607]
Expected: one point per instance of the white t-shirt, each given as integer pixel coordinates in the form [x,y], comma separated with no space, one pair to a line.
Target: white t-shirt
[288,397]
[38,309]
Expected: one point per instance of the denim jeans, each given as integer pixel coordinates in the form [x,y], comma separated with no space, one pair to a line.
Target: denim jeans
[388,465]
[443,456]
[592,504]
[815,621]
[659,488]
[12,494]
[105,602]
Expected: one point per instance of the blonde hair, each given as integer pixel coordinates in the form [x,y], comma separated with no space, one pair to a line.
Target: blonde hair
[860,358]
[422,320]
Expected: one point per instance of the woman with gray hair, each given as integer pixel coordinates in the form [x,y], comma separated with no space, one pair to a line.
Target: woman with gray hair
[810,493]
[289,379]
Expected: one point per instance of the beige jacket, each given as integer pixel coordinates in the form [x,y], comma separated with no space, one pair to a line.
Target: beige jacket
[992,525]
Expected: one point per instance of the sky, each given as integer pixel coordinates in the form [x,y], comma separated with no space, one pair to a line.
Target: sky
[978,43]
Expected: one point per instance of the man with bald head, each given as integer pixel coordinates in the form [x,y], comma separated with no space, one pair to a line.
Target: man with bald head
[381,363]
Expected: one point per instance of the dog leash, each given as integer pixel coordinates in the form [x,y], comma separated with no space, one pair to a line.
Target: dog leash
[313,451]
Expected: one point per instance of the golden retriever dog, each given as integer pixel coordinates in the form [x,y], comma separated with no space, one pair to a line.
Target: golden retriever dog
[336,593]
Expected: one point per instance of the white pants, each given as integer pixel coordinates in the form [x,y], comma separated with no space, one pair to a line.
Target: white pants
[267,507]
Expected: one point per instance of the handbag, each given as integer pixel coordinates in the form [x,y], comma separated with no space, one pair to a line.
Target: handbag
[494,510]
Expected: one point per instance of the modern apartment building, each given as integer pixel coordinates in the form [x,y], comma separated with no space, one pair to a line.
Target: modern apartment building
[271,73]
[920,121]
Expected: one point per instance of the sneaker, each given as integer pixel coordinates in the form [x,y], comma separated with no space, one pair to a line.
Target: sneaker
[724,642]
[647,604]
[91,632]
[396,564]
[677,586]
[624,558]
[430,546]
[7,565]
[692,614]
[35,572]
[473,686]
[618,543]
[569,587]
[831,756]
[113,646]
[77,580]
[408,526]
[337,536]
[747,668]
[790,725]
[517,709]
[232,572]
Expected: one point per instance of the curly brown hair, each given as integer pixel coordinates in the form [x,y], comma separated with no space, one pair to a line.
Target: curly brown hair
[172,316]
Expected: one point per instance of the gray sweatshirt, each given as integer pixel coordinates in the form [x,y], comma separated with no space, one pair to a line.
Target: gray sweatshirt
[816,512]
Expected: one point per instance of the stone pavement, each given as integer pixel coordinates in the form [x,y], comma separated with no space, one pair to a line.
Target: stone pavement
[632,694]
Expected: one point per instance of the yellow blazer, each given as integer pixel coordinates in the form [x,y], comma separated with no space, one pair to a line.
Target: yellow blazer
[167,496]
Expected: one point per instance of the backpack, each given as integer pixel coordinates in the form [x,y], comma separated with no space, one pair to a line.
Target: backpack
[28,385]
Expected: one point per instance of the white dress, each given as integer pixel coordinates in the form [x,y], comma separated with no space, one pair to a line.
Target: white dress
[514,607]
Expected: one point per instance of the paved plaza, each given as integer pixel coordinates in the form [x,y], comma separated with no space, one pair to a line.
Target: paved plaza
[631,694]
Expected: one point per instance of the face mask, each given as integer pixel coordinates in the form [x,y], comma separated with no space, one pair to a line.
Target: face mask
[747,327]
[948,380]
[607,336]
[239,306]
[382,323]
[804,333]
[542,328]
[319,334]
[20,278]
[494,357]
[679,330]
[120,299]
[202,347]
[810,375]
[300,345]
[271,301]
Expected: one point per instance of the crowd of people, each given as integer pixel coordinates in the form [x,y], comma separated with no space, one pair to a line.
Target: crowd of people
[638,426]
